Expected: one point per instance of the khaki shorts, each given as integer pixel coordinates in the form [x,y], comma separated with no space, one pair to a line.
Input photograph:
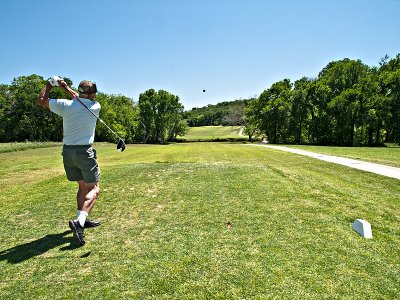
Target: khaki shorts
[80,163]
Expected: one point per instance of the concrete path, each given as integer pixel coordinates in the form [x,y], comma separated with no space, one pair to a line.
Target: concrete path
[357,164]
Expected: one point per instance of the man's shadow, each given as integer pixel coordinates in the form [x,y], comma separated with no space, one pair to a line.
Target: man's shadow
[26,251]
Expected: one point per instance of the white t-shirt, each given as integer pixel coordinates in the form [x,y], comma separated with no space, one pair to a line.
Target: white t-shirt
[78,123]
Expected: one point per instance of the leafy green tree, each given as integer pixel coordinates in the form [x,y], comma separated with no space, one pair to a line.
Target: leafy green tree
[5,113]
[147,110]
[371,111]
[300,101]
[389,87]
[177,127]
[160,114]
[22,118]
[344,78]
[320,130]
[250,129]
[275,111]
[30,122]
[23,107]
[252,116]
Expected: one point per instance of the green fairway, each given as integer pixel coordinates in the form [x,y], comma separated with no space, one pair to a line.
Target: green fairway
[210,133]
[198,220]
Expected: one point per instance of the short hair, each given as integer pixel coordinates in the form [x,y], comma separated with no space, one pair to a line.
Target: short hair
[87,87]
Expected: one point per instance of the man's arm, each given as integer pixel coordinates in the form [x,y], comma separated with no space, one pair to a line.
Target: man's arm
[43,98]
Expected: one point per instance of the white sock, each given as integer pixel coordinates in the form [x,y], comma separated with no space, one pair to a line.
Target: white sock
[79,212]
[82,218]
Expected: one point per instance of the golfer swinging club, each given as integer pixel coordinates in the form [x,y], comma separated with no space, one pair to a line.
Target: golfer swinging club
[79,157]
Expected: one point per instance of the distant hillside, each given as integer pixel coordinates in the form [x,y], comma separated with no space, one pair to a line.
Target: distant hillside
[229,113]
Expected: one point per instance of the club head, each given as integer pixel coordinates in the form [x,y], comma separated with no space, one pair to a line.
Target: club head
[120,146]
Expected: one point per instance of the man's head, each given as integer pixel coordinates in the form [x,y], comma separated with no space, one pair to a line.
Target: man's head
[87,89]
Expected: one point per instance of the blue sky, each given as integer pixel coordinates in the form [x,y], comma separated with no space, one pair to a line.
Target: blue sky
[232,49]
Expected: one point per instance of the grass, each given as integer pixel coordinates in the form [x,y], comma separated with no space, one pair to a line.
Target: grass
[213,133]
[201,220]
[11,147]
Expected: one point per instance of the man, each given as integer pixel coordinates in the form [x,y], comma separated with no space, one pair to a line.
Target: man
[79,157]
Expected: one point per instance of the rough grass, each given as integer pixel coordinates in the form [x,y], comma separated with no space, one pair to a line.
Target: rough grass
[202,220]
[11,147]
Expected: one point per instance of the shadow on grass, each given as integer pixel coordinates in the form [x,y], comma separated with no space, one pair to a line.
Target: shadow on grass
[26,251]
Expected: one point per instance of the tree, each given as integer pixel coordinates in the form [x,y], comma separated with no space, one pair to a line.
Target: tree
[253,118]
[275,110]
[5,113]
[389,86]
[300,107]
[269,113]
[161,115]
[28,120]
[344,78]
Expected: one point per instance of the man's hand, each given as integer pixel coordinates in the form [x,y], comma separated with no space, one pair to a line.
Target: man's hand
[54,81]
[64,86]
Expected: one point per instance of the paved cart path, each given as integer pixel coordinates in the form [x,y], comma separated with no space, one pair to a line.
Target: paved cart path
[353,163]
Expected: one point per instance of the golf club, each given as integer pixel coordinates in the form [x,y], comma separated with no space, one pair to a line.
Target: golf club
[121,143]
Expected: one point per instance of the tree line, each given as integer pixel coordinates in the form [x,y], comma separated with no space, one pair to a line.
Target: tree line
[348,104]
[227,113]
[156,118]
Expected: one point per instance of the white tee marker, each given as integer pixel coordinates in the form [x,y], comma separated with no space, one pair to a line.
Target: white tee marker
[363,228]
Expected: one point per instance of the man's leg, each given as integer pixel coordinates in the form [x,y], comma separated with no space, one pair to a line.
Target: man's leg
[86,197]
[93,190]
[82,192]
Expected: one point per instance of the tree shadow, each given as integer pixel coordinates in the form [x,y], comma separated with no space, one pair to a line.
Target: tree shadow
[26,251]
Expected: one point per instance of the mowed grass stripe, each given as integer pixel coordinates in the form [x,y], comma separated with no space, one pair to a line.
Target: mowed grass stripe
[165,229]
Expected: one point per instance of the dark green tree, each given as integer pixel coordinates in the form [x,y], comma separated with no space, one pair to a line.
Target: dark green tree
[160,114]
[275,111]
[389,88]
[300,102]
[343,79]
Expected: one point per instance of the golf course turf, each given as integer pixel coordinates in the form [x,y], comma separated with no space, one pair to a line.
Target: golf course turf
[198,220]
